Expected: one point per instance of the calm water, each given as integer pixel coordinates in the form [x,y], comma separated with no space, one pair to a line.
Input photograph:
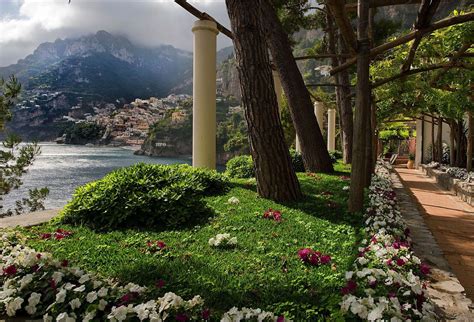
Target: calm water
[62,168]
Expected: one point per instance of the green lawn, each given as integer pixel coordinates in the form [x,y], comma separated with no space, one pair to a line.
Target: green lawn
[262,271]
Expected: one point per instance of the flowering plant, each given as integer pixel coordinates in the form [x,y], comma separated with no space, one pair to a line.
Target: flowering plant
[233,201]
[272,214]
[58,234]
[223,241]
[155,247]
[234,314]
[387,280]
[313,258]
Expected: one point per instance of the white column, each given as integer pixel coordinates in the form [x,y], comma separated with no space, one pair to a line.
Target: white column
[419,142]
[204,94]
[278,89]
[319,112]
[331,129]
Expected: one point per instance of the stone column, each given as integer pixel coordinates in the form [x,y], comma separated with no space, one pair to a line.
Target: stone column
[204,94]
[331,129]
[319,112]
[278,89]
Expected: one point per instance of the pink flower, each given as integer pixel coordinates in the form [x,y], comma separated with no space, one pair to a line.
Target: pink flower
[206,314]
[127,298]
[373,239]
[304,253]
[181,317]
[350,287]
[52,283]
[400,262]
[46,236]
[425,269]
[10,270]
[161,244]
[272,214]
[160,283]
[389,262]
[281,318]
[325,259]
[314,259]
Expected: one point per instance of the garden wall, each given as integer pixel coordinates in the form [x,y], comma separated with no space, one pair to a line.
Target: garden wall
[463,190]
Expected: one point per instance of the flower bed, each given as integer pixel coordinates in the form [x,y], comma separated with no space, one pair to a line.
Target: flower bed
[36,285]
[388,279]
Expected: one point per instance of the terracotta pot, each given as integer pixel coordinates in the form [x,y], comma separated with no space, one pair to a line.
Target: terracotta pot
[411,164]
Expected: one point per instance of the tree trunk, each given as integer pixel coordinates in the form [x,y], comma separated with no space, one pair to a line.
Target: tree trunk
[315,155]
[362,113]
[275,176]
[368,145]
[343,91]
[452,147]
[439,140]
[470,134]
[347,116]
[461,144]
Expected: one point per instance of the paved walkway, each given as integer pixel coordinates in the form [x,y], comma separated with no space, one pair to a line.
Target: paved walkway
[450,220]
[30,219]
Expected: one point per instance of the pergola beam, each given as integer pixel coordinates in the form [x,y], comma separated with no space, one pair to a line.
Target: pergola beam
[203,16]
[381,3]
[323,56]
[408,37]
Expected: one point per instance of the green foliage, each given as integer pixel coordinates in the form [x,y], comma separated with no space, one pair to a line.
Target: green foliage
[80,133]
[144,195]
[242,166]
[263,270]
[335,155]
[15,158]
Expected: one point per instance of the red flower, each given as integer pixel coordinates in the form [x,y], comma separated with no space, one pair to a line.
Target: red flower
[350,287]
[59,236]
[281,318]
[149,243]
[314,259]
[35,268]
[304,253]
[425,269]
[272,214]
[10,270]
[400,262]
[52,283]
[46,236]
[181,317]
[206,314]
[38,256]
[160,244]
[160,283]
[65,263]
[389,262]
[325,259]
[127,298]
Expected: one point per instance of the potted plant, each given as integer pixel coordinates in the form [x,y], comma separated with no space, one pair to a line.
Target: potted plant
[411,161]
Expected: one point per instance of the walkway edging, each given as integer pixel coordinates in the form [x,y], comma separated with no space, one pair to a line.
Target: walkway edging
[445,290]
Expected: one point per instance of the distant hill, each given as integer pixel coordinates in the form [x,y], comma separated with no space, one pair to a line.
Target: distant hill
[103,66]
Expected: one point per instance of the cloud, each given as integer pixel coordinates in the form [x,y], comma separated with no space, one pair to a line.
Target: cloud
[144,22]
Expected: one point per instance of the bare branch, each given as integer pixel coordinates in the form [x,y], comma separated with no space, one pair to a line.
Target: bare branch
[203,16]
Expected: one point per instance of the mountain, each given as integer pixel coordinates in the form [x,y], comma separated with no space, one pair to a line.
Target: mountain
[103,66]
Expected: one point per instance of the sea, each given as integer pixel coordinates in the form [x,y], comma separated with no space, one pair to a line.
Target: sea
[63,168]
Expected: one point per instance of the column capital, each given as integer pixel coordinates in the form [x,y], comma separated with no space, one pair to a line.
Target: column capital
[205,25]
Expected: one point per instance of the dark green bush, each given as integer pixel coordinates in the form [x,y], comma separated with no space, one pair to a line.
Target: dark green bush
[144,195]
[242,166]
[335,155]
[297,161]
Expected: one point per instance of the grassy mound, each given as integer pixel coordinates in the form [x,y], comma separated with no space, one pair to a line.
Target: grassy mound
[263,270]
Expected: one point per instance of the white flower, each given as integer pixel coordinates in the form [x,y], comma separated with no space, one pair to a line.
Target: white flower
[13,306]
[57,277]
[25,280]
[81,288]
[118,313]
[64,317]
[233,201]
[102,292]
[102,304]
[75,303]
[61,296]
[84,278]
[91,297]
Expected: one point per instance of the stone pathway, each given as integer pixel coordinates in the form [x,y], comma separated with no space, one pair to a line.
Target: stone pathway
[442,228]
[30,219]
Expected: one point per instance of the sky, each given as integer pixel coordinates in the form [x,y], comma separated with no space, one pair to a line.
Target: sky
[24,24]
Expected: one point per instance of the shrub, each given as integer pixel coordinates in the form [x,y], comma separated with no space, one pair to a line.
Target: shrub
[335,155]
[297,160]
[144,195]
[242,166]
